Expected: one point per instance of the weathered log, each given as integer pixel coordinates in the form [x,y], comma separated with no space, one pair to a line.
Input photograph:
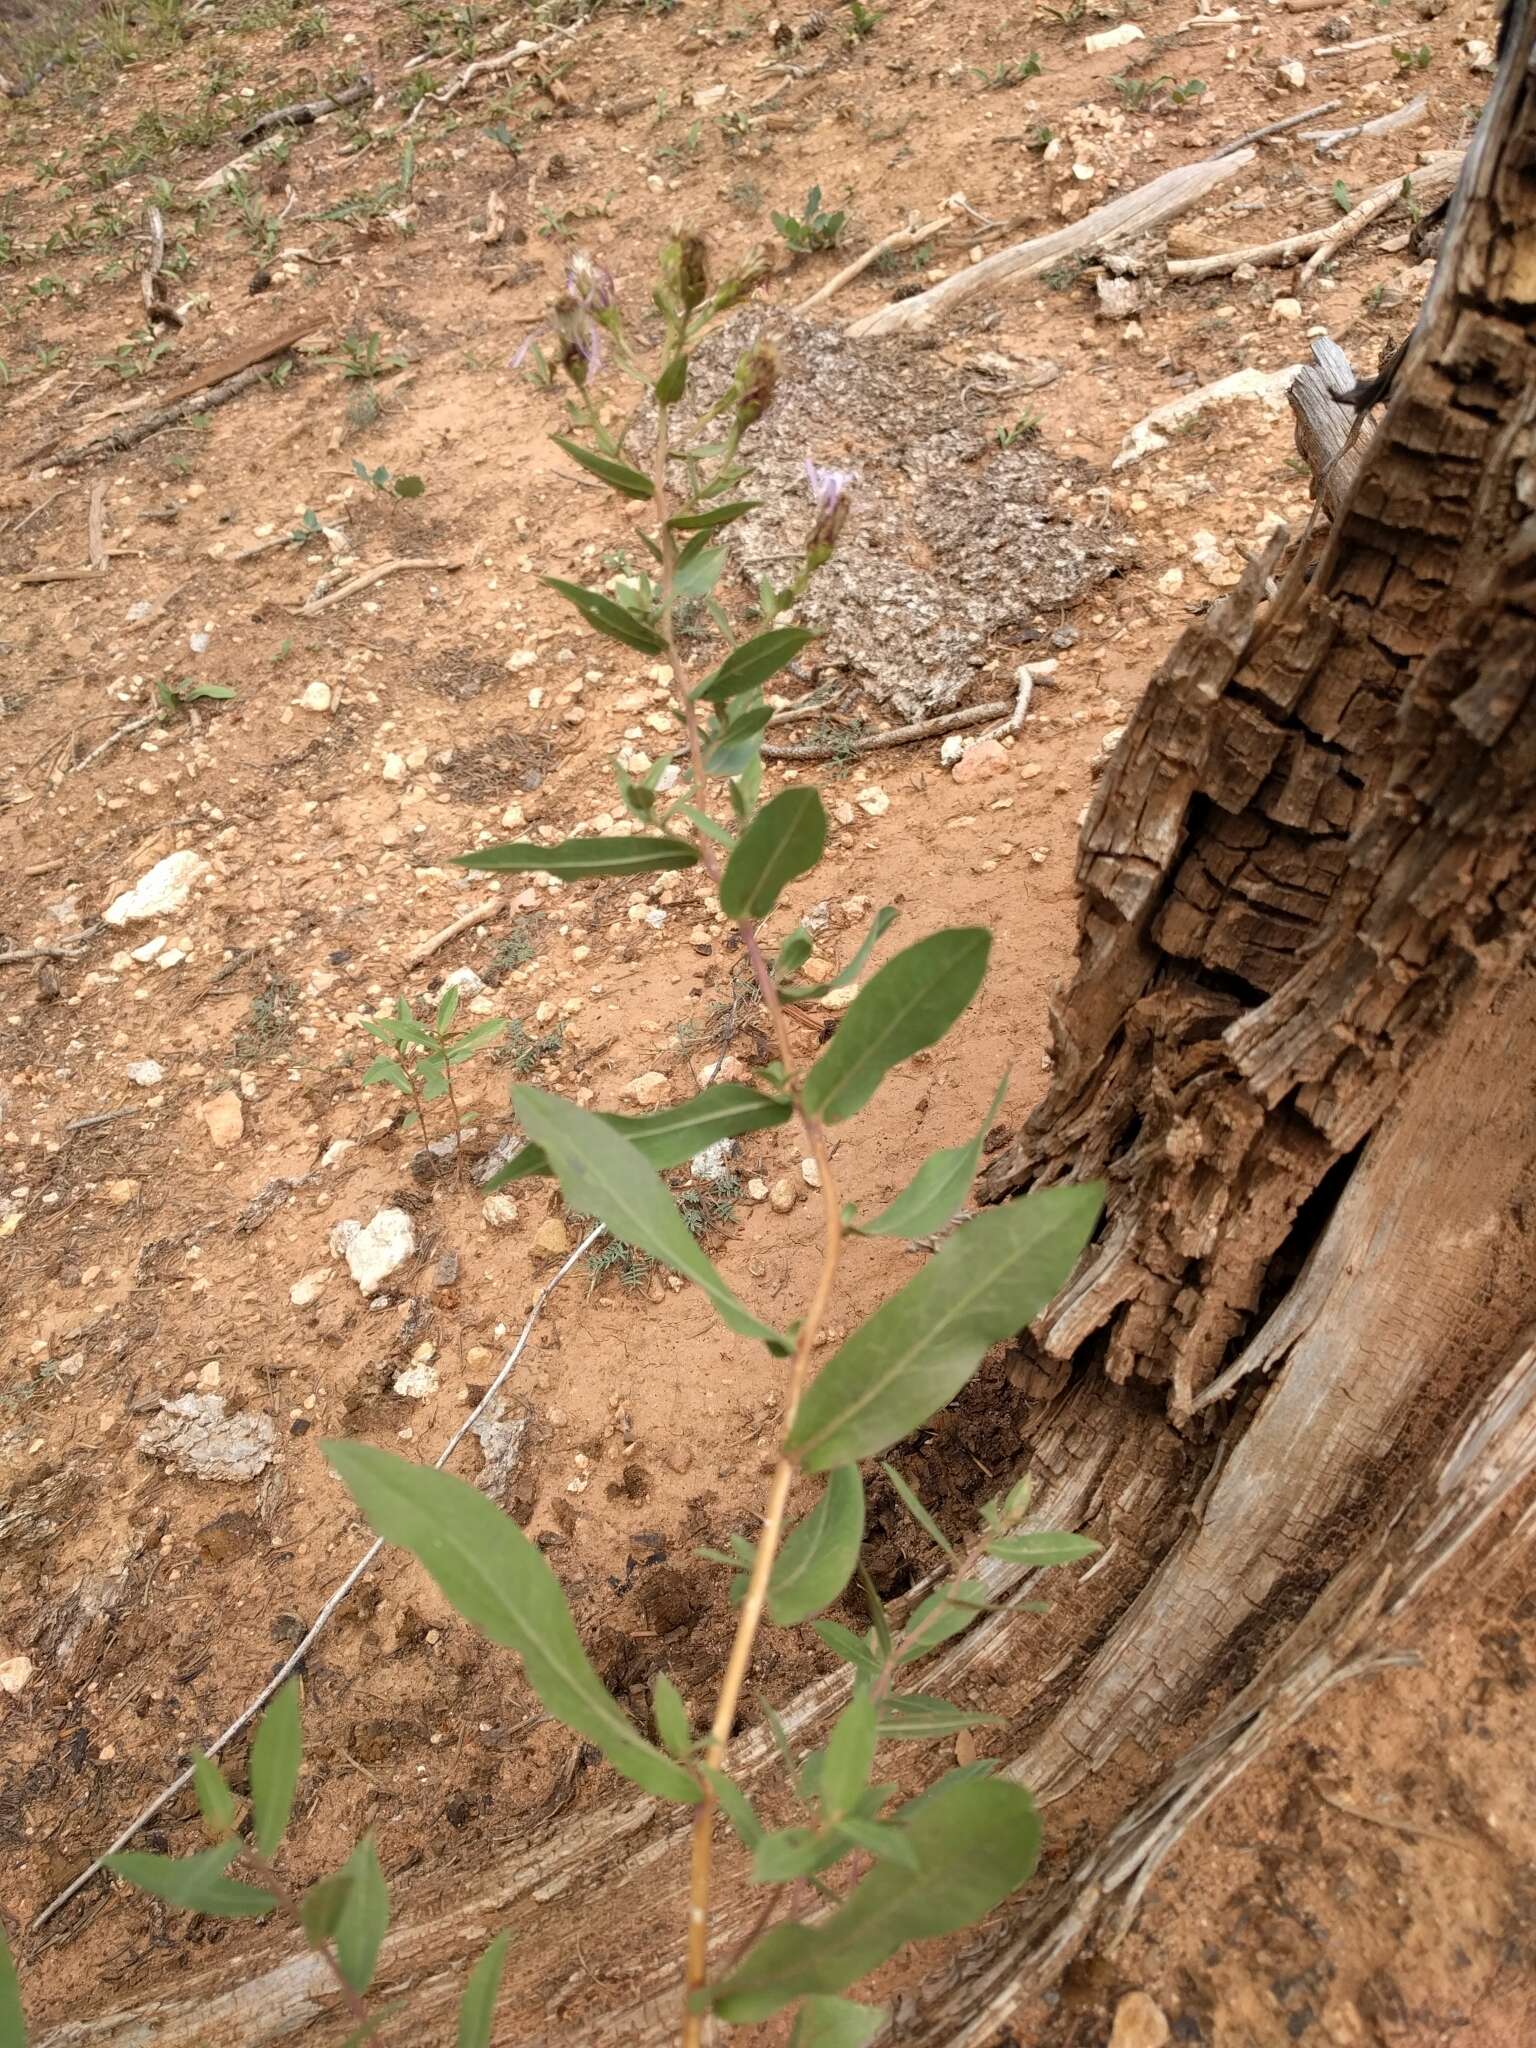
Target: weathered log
[1324,427]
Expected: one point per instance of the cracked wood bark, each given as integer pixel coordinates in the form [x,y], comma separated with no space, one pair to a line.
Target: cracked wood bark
[1299,1043]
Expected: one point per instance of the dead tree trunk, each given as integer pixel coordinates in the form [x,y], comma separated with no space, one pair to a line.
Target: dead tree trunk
[1299,1045]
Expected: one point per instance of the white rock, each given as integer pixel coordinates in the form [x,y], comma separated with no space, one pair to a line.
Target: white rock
[195,1436]
[950,749]
[145,953]
[757,1189]
[1171,581]
[381,1249]
[417,1382]
[394,769]
[465,980]
[1292,73]
[1479,54]
[145,1073]
[714,1162]
[161,892]
[14,1673]
[648,1090]
[315,697]
[309,1286]
[335,1152]
[1285,309]
[838,998]
[873,802]
[1114,38]
[810,1173]
[499,1211]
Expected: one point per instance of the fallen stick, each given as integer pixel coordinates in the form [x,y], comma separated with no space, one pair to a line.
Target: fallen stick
[903,238]
[1349,49]
[1428,185]
[242,358]
[481,68]
[157,307]
[1151,433]
[83,575]
[123,732]
[366,576]
[1279,127]
[894,736]
[132,432]
[479,915]
[1328,139]
[1135,213]
[96,526]
[1440,176]
[306,1642]
[217,180]
[25,953]
[303,113]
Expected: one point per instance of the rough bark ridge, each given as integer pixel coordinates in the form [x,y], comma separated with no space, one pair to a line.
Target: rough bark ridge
[1311,836]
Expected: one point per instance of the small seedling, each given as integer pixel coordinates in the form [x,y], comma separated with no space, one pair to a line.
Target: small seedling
[1040,138]
[424,1056]
[395,486]
[1025,428]
[1014,72]
[362,358]
[1412,60]
[1189,94]
[1138,94]
[173,698]
[1064,17]
[1341,198]
[863,21]
[812,230]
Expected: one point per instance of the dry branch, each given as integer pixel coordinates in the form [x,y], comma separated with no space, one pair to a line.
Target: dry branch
[158,309]
[303,112]
[1329,139]
[903,238]
[1135,213]
[364,577]
[1280,127]
[480,913]
[482,67]
[895,736]
[217,180]
[1428,185]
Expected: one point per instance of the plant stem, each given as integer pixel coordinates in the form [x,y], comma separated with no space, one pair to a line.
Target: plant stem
[355,2004]
[752,1606]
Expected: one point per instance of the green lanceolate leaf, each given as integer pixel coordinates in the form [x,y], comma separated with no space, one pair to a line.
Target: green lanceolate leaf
[670,1137]
[321,1906]
[477,2008]
[576,859]
[752,663]
[919,1716]
[907,1006]
[602,1174]
[736,1807]
[196,1884]
[881,1839]
[502,1583]
[917,1511]
[698,569]
[820,1553]
[836,2023]
[732,749]
[849,1757]
[795,1852]
[918,1349]
[937,1189]
[671,1715]
[1042,1548]
[785,840]
[852,1649]
[13,2021]
[215,1802]
[629,483]
[610,618]
[715,516]
[881,924]
[793,954]
[447,1008]
[364,1917]
[975,1843]
[943,1614]
[276,1755]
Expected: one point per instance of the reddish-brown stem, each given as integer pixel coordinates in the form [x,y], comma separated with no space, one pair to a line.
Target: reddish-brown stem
[755,1598]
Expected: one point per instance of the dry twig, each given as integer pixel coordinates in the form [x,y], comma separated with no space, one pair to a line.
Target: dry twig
[481,913]
[364,577]
[903,238]
[1326,140]
[894,736]
[1429,185]
[304,112]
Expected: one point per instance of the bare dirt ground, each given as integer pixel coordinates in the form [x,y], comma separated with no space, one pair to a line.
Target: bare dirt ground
[181,1103]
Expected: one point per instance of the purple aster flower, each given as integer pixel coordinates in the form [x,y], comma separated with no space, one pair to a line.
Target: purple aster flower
[830,494]
[589,284]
